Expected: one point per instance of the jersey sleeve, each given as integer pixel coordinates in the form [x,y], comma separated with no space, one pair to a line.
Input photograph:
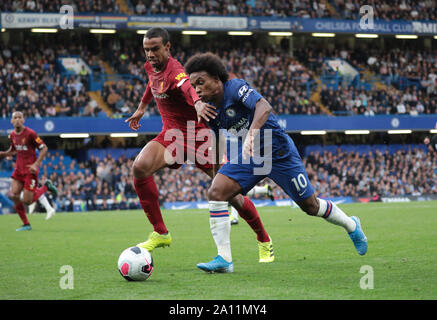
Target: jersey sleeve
[147,96]
[181,81]
[244,93]
[36,141]
[189,92]
[12,143]
[180,77]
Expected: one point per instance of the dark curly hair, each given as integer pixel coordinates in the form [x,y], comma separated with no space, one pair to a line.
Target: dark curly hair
[208,62]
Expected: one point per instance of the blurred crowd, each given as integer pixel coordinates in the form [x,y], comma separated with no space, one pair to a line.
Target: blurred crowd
[347,9]
[95,6]
[30,82]
[407,78]
[403,173]
[280,9]
[388,10]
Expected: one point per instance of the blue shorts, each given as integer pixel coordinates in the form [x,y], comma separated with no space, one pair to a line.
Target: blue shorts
[288,173]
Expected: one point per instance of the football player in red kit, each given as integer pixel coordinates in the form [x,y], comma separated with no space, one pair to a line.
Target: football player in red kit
[176,100]
[24,141]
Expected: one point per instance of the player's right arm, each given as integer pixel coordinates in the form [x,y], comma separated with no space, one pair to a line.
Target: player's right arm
[134,120]
[7,153]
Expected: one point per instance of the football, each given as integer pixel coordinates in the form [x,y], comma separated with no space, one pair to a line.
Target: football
[135,264]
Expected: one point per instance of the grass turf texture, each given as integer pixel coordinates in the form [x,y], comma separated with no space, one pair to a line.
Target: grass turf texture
[314,259]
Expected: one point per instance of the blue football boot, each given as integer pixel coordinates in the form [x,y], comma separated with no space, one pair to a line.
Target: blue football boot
[358,237]
[218,264]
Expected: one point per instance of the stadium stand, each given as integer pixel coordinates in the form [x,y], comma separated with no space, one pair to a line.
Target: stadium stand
[302,8]
[388,10]
[100,6]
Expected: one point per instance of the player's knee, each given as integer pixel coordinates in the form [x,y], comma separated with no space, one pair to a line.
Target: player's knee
[216,194]
[27,201]
[310,206]
[14,197]
[140,169]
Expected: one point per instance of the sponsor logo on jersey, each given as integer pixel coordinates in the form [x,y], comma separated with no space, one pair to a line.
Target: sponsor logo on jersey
[161,96]
[20,147]
[241,124]
[247,95]
[242,90]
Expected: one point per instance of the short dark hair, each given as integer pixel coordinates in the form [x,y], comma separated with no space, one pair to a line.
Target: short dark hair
[207,62]
[158,33]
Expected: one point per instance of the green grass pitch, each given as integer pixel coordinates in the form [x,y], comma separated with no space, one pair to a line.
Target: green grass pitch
[314,259]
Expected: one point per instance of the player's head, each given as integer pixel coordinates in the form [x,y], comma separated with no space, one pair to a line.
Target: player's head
[156,44]
[207,75]
[17,120]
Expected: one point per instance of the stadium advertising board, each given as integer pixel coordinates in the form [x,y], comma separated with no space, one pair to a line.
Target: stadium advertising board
[163,21]
[32,20]
[342,26]
[101,125]
[100,21]
[287,202]
[220,23]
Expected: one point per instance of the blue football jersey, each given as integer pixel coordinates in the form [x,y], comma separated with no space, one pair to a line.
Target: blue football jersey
[236,114]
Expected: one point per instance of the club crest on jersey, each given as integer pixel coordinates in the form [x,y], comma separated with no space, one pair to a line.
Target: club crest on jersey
[180,76]
[230,112]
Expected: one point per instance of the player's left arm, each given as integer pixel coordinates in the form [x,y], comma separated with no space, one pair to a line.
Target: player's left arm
[7,153]
[43,149]
[262,113]
[251,99]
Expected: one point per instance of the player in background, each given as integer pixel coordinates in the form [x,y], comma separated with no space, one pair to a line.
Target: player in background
[235,106]
[175,97]
[257,190]
[45,203]
[24,141]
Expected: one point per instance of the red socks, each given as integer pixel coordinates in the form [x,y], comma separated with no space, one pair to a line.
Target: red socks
[39,192]
[21,212]
[148,194]
[250,214]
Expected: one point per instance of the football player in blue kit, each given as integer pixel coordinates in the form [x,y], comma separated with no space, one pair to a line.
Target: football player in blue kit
[267,151]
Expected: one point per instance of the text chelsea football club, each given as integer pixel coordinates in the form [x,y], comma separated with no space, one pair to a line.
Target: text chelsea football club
[219,309]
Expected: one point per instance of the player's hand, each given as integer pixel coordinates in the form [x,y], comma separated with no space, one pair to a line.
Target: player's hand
[248,145]
[134,120]
[33,168]
[204,111]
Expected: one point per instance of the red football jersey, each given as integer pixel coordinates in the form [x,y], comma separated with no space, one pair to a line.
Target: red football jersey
[165,87]
[25,144]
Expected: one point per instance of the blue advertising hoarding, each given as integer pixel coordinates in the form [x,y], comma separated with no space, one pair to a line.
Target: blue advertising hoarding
[103,125]
[11,20]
